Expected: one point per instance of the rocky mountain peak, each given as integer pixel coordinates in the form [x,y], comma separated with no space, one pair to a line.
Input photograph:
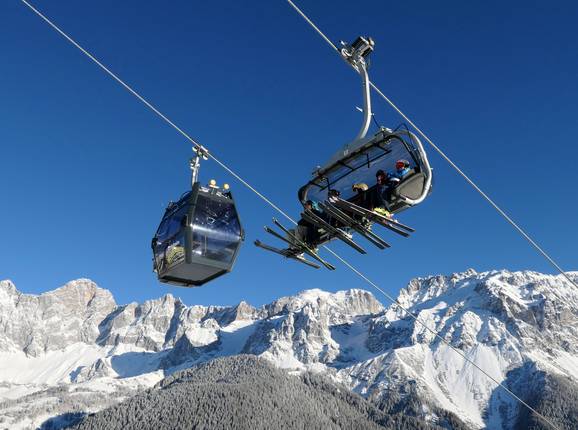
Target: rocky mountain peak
[78,296]
[420,290]
[8,294]
[350,302]
[52,320]
[241,312]
[7,286]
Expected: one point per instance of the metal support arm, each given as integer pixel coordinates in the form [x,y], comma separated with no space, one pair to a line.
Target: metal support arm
[356,54]
[195,163]
[362,70]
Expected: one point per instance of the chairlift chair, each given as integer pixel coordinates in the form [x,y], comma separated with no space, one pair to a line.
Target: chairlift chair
[340,211]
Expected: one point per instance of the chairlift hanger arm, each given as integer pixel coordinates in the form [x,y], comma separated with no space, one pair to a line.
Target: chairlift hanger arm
[356,55]
[362,69]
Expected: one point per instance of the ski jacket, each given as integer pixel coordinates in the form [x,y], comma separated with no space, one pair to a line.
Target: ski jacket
[399,174]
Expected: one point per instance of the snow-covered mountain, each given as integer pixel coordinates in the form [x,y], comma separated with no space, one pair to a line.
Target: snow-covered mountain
[74,349]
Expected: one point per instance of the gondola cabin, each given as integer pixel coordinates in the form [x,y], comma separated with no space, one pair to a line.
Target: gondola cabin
[198,238]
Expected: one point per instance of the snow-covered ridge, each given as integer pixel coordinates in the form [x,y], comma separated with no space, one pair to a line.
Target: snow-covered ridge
[506,322]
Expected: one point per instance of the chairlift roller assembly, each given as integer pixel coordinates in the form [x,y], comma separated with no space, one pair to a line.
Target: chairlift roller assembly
[200,235]
[334,207]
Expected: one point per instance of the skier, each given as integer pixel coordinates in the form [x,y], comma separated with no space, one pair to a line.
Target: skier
[401,169]
[306,231]
[382,193]
[361,198]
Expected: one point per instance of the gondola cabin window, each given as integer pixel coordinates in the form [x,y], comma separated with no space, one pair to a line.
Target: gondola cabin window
[170,246]
[216,229]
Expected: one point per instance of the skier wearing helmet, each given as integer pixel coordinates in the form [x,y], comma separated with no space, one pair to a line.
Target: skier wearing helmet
[401,169]
[362,197]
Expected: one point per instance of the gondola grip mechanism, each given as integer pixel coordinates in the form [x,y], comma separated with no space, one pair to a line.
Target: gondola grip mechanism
[195,163]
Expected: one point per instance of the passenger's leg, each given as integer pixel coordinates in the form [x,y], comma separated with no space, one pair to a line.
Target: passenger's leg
[301,233]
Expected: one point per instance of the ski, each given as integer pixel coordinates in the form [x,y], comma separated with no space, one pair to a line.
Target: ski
[388,223]
[361,227]
[297,243]
[286,253]
[344,204]
[340,234]
[345,219]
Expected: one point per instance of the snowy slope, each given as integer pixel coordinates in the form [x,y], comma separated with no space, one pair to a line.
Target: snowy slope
[77,341]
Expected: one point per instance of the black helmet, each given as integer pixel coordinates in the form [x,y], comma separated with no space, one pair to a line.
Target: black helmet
[380,173]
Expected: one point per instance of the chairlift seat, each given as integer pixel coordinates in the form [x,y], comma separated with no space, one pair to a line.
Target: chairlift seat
[411,187]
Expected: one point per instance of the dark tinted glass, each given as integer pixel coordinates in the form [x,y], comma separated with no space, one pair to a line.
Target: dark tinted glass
[216,229]
[170,240]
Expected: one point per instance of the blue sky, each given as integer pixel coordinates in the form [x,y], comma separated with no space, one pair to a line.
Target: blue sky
[87,170]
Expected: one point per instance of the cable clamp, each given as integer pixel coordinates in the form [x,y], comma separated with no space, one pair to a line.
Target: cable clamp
[201,152]
[357,52]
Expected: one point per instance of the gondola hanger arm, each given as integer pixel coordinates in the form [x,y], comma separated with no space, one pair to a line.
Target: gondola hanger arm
[200,153]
